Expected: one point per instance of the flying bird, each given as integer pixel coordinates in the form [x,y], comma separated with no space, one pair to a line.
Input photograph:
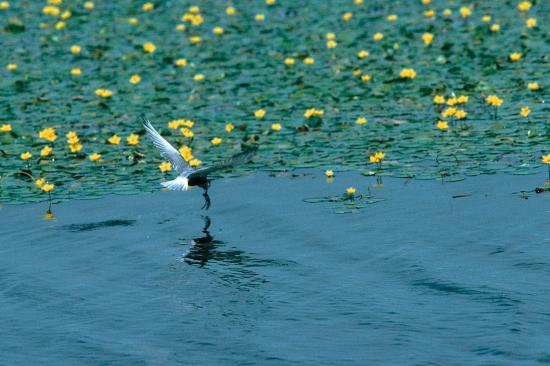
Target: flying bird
[189,177]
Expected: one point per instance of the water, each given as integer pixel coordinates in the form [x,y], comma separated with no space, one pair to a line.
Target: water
[265,278]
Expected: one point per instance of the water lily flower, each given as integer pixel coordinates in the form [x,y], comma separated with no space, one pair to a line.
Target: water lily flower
[114,140]
[515,56]
[309,60]
[135,79]
[48,187]
[361,121]
[260,113]
[25,156]
[48,134]
[46,150]
[216,141]
[276,126]
[329,173]
[165,166]
[442,125]
[133,139]
[5,127]
[524,112]
[149,47]
[363,54]
[229,127]
[95,157]
[407,74]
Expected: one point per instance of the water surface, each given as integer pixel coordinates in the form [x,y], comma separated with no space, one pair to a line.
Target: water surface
[266,278]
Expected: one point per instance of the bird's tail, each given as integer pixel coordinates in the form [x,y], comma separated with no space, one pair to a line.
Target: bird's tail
[178,184]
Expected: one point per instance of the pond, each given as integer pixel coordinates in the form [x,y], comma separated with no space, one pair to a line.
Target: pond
[430,272]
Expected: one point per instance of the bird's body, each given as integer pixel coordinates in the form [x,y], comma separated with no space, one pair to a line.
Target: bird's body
[189,177]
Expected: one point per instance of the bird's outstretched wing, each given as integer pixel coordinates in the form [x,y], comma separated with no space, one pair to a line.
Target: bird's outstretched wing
[240,158]
[166,150]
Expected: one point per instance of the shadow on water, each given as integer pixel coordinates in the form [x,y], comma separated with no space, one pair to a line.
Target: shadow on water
[97,225]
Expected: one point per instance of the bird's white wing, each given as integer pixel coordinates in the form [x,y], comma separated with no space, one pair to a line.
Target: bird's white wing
[166,150]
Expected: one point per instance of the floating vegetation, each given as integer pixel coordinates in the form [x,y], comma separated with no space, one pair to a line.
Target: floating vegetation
[427,90]
[349,202]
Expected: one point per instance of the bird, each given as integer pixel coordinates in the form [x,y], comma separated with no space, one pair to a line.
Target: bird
[189,177]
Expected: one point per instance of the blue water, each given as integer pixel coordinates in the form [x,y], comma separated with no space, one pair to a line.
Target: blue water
[264,278]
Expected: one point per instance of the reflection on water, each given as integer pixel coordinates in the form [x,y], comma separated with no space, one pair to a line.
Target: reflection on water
[204,247]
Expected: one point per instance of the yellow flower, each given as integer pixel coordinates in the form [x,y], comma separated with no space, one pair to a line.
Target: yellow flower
[531,23]
[347,16]
[149,47]
[48,134]
[452,101]
[524,6]
[426,2]
[533,86]
[289,61]
[366,77]
[229,127]
[515,56]
[148,6]
[465,11]
[95,157]
[216,141]
[260,113]
[71,135]
[135,79]
[180,27]
[60,25]
[186,152]
[462,99]
[4,5]
[361,121]
[358,2]
[40,182]
[391,18]
[362,54]
[89,5]
[50,10]
[11,67]
[181,62]
[194,9]
[75,49]
[494,100]
[350,191]
[439,99]
[428,38]
[486,19]
[312,112]
[187,132]
[495,27]
[309,60]
[442,125]
[407,74]
[447,12]
[230,11]
[133,139]
[76,72]
[195,162]
[73,140]
[329,173]
[276,126]
[198,77]
[46,150]
[114,140]
[546,159]
[448,112]
[377,157]
[331,44]
[66,15]
[357,72]
[5,127]
[259,17]
[103,93]
[524,111]
[330,36]
[75,147]
[218,30]
[133,21]
[429,13]
[378,36]
[48,187]
[165,166]
[195,39]
[26,156]
[460,114]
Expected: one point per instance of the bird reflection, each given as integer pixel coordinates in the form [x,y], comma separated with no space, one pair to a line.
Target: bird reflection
[203,248]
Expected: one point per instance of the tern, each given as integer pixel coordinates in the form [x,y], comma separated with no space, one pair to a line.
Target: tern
[189,177]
